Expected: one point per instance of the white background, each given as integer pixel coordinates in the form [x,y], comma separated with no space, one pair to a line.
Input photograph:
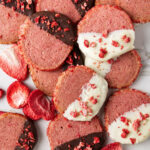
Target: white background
[142,83]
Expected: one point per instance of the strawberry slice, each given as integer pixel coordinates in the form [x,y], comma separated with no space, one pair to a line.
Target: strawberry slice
[17,94]
[1,93]
[29,113]
[12,63]
[41,105]
[113,146]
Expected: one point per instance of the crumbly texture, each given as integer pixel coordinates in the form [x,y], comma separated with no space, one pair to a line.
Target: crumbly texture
[69,86]
[104,19]
[123,101]
[21,129]
[59,128]
[127,66]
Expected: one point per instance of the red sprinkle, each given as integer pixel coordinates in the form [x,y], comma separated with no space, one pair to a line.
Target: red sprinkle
[57,15]
[66,29]
[125,120]
[101,55]
[37,19]
[74,114]
[100,40]
[96,140]
[84,112]
[76,1]
[110,61]
[86,43]
[126,39]
[125,132]
[115,43]
[122,47]
[133,140]
[93,100]
[136,124]
[93,86]
[54,24]
[103,50]
[93,44]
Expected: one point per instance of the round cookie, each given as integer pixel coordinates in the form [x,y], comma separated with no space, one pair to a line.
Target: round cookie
[138,10]
[73,9]
[111,35]
[46,80]
[104,2]
[23,133]
[13,14]
[120,72]
[127,116]
[69,135]
[80,93]
[46,39]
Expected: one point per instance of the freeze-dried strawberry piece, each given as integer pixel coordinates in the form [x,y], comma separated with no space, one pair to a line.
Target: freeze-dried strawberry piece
[29,113]
[41,105]
[1,93]
[12,63]
[17,94]
[113,146]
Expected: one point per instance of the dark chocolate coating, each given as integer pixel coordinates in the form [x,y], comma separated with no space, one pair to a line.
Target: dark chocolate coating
[28,137]
[87,141]
[75,58]
[21,6]
[83,5]
[56,24]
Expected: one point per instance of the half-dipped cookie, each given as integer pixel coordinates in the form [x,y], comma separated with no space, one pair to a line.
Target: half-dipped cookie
[105,32]
[46,80]
[120,72]
[127,116]
[46,39]
[80,93]
[69,135]
[74,9]
[16,132]
[12,14]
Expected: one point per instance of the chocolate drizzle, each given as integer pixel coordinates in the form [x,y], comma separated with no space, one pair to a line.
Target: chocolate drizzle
[56,24]
[83,5]
[75,58]
[25,7]
[28,137]
[95,141]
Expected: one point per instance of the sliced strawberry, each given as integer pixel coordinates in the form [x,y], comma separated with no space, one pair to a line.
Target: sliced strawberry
[113,146]
[12,63]
[1,93]
[17,94]
[29,113]
[41,105]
